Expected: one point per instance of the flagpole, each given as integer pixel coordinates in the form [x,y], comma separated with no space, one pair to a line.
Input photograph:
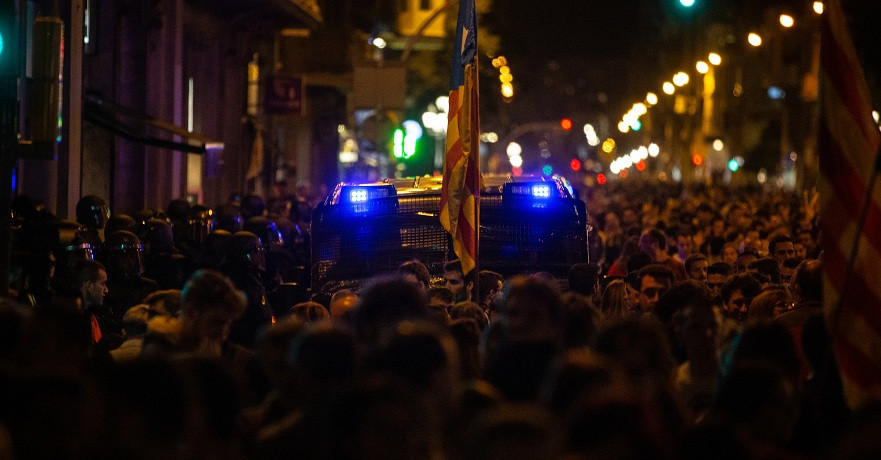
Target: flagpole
[479,184]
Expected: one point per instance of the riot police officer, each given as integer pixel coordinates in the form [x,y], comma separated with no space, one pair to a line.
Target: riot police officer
[92,213]
[126,285]
[244,262]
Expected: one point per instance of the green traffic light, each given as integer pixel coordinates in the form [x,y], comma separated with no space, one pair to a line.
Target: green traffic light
[733,165]
[686,3]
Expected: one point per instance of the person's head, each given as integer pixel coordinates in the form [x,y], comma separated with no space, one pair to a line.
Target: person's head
[245,248]
[807,282]
[197,225]
[769,304]
[341,302]
[209,305]
[456,281]
[640,346]
[469,310]
[228,217]
[177,210]
[654,244]
[685,242]
[309,311]
[533,309]
[584,279]
[266,230]
[252,206]
[744,259]
[780,248]
[157,237]
[692,319]
[696,267]
[441,297]
[766,270]
[717,275]
[654,281]
[385,301]
[213,250]
[90,278]
[703,212]
[612,223]
[125,255]
[119,222]
[580,320]
[92,212]
[164,302]
[629,218]
[788,269]
[805,239]
[729,254]
[490,284]
[737,294]
[415,272]
[615,303]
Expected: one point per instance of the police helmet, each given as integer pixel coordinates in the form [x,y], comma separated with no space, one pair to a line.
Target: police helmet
[125,255]
[266,230]
[92,211]
[245,248]
[199,223]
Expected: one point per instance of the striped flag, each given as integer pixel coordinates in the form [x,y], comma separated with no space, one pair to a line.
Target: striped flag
[850,212]
[460,194]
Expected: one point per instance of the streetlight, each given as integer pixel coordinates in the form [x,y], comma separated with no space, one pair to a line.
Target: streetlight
[651,98]
[514,149]
[786,20]
[702,67]
[668,88]
[680,79]
[754,39]
[818,7]
[714,58]
[507,90]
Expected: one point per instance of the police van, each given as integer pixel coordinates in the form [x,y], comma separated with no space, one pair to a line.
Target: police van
[527,224]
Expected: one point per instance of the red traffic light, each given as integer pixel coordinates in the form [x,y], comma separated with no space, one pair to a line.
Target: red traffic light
[566,124]
[601,178]
[697,160]
[575,164]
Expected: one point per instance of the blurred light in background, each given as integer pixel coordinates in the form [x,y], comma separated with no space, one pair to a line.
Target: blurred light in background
[786,20]
[754,39]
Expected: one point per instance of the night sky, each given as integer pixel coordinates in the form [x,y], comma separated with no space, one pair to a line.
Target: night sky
[621,48]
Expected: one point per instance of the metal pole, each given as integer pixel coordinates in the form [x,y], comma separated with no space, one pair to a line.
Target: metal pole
[10,70]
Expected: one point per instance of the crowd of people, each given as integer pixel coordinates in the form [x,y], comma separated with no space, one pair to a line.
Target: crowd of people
[695,331]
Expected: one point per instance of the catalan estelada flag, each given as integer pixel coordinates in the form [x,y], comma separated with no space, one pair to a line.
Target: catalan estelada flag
[460,194]
[850,212]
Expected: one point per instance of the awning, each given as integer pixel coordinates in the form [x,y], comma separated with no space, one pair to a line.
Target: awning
[139,127]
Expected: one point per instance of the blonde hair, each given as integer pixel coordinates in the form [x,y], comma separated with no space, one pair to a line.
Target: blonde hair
[614,303]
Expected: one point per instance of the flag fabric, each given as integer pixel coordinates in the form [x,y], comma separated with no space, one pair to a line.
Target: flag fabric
[847,142]
[255,167]
[460,193]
